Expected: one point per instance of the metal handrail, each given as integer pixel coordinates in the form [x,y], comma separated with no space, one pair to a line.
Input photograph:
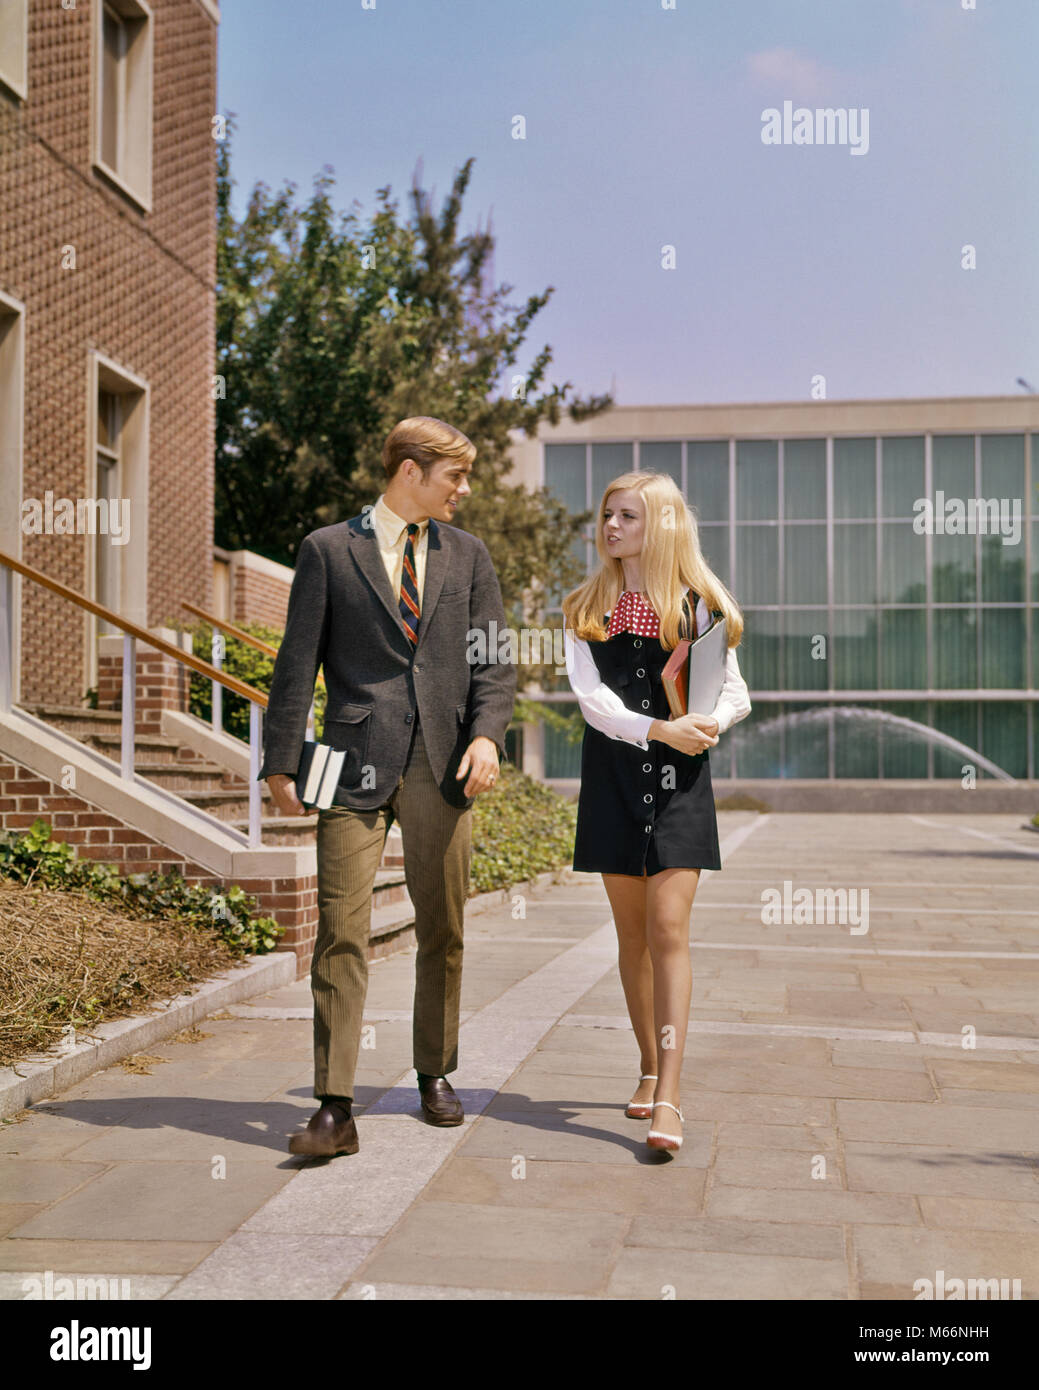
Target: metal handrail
[230,629]
[218,655]
[132,634]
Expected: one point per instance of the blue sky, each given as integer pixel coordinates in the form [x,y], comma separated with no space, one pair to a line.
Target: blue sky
[644,130]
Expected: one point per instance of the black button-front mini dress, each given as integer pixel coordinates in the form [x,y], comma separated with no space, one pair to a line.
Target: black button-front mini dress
[641,810]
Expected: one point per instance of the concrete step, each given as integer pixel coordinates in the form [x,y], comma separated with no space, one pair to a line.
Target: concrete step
[102,729]
[189,779]
[157,749]
[301,830]
[393,928]
[390,890]
[277,829]
[231,804]
[77,721]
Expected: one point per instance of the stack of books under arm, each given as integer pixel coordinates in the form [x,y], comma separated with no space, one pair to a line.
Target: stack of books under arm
[318,774]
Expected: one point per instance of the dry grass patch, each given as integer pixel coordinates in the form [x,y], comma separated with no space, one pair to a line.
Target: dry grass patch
[68,963]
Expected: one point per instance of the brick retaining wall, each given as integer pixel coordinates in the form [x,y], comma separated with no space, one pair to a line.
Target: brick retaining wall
[98,835]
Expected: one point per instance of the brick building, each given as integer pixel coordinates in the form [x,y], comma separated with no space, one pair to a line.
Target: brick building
[107,306]
[107,413]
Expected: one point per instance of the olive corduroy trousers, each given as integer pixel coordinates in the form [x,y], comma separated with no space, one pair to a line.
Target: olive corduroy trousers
[437,841]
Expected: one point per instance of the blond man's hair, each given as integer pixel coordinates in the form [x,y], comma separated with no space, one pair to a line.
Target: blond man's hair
[671,562]
[426,440]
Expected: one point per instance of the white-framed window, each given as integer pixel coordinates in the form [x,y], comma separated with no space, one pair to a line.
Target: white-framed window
[14,46]
[12,407]
[108,491]
[117,474]
[122,88]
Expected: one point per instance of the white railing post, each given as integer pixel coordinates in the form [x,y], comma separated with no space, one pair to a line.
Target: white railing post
[255,791]
[217,654]
[129,705]
[6,637]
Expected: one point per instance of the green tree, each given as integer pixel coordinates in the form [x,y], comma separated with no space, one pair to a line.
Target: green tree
[330,331]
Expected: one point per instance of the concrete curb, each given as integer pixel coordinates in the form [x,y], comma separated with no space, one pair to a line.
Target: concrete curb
[497,897]
[28,1082]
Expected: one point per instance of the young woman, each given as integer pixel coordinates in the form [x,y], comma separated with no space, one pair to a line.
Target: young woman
[645,817]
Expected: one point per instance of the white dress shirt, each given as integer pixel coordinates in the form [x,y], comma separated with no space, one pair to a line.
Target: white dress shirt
[604,710]
[391,534]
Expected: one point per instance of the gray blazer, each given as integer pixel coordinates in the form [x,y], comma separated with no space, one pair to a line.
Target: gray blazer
[342,615]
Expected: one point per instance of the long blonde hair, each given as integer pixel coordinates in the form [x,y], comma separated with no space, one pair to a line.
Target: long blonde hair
[671,562]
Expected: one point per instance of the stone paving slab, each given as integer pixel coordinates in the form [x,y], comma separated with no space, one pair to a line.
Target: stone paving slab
[749,1108]
[1003,1100]
[805,1044]
[971,1213]
[827,1205]
[845,1054]
[189,1128]
[905,1123]
[545,1250]
[167,1200]
[83,1255]
[938,1171]
[291,1266]
[14,1213]
[701,1274]
[47,1180]
[734,1237]
[804,1138]
[777,1168]
[137,1288]
[577,1134]
[359,1195]
[786,1079]
[426,1293]
[890,1255]
[587,1186]
[48,1131]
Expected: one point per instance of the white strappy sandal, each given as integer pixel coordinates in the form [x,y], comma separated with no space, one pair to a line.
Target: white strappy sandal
[655,1139]
[636,1111]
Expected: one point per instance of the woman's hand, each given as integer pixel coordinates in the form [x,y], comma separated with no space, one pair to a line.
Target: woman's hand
[691,734]
[707,723]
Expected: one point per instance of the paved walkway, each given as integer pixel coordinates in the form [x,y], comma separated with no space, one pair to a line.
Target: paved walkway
[840,1141]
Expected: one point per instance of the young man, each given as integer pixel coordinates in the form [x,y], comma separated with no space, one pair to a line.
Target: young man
[384,602]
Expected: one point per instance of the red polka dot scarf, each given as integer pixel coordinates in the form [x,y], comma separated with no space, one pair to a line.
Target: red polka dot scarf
[633,614]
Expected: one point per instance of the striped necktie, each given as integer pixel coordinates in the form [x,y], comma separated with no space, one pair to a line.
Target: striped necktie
[409,605]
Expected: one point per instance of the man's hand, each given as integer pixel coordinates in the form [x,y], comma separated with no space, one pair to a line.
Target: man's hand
[283,790]
[480,761]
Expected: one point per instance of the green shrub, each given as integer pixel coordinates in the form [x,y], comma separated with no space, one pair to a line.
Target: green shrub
[248,665]
[520,829]
[35,857]
[571,725]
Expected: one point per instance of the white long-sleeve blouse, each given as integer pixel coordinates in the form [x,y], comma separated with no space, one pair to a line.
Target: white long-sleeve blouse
[606,711]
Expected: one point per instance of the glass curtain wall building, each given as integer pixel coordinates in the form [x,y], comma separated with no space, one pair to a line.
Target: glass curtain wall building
[859,616]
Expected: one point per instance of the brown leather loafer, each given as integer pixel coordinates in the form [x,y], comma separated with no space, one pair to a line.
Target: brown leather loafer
[327,1134]
[440,1105]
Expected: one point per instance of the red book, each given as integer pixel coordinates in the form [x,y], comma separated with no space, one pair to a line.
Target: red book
[675,675]
[699,665]
[675,679]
